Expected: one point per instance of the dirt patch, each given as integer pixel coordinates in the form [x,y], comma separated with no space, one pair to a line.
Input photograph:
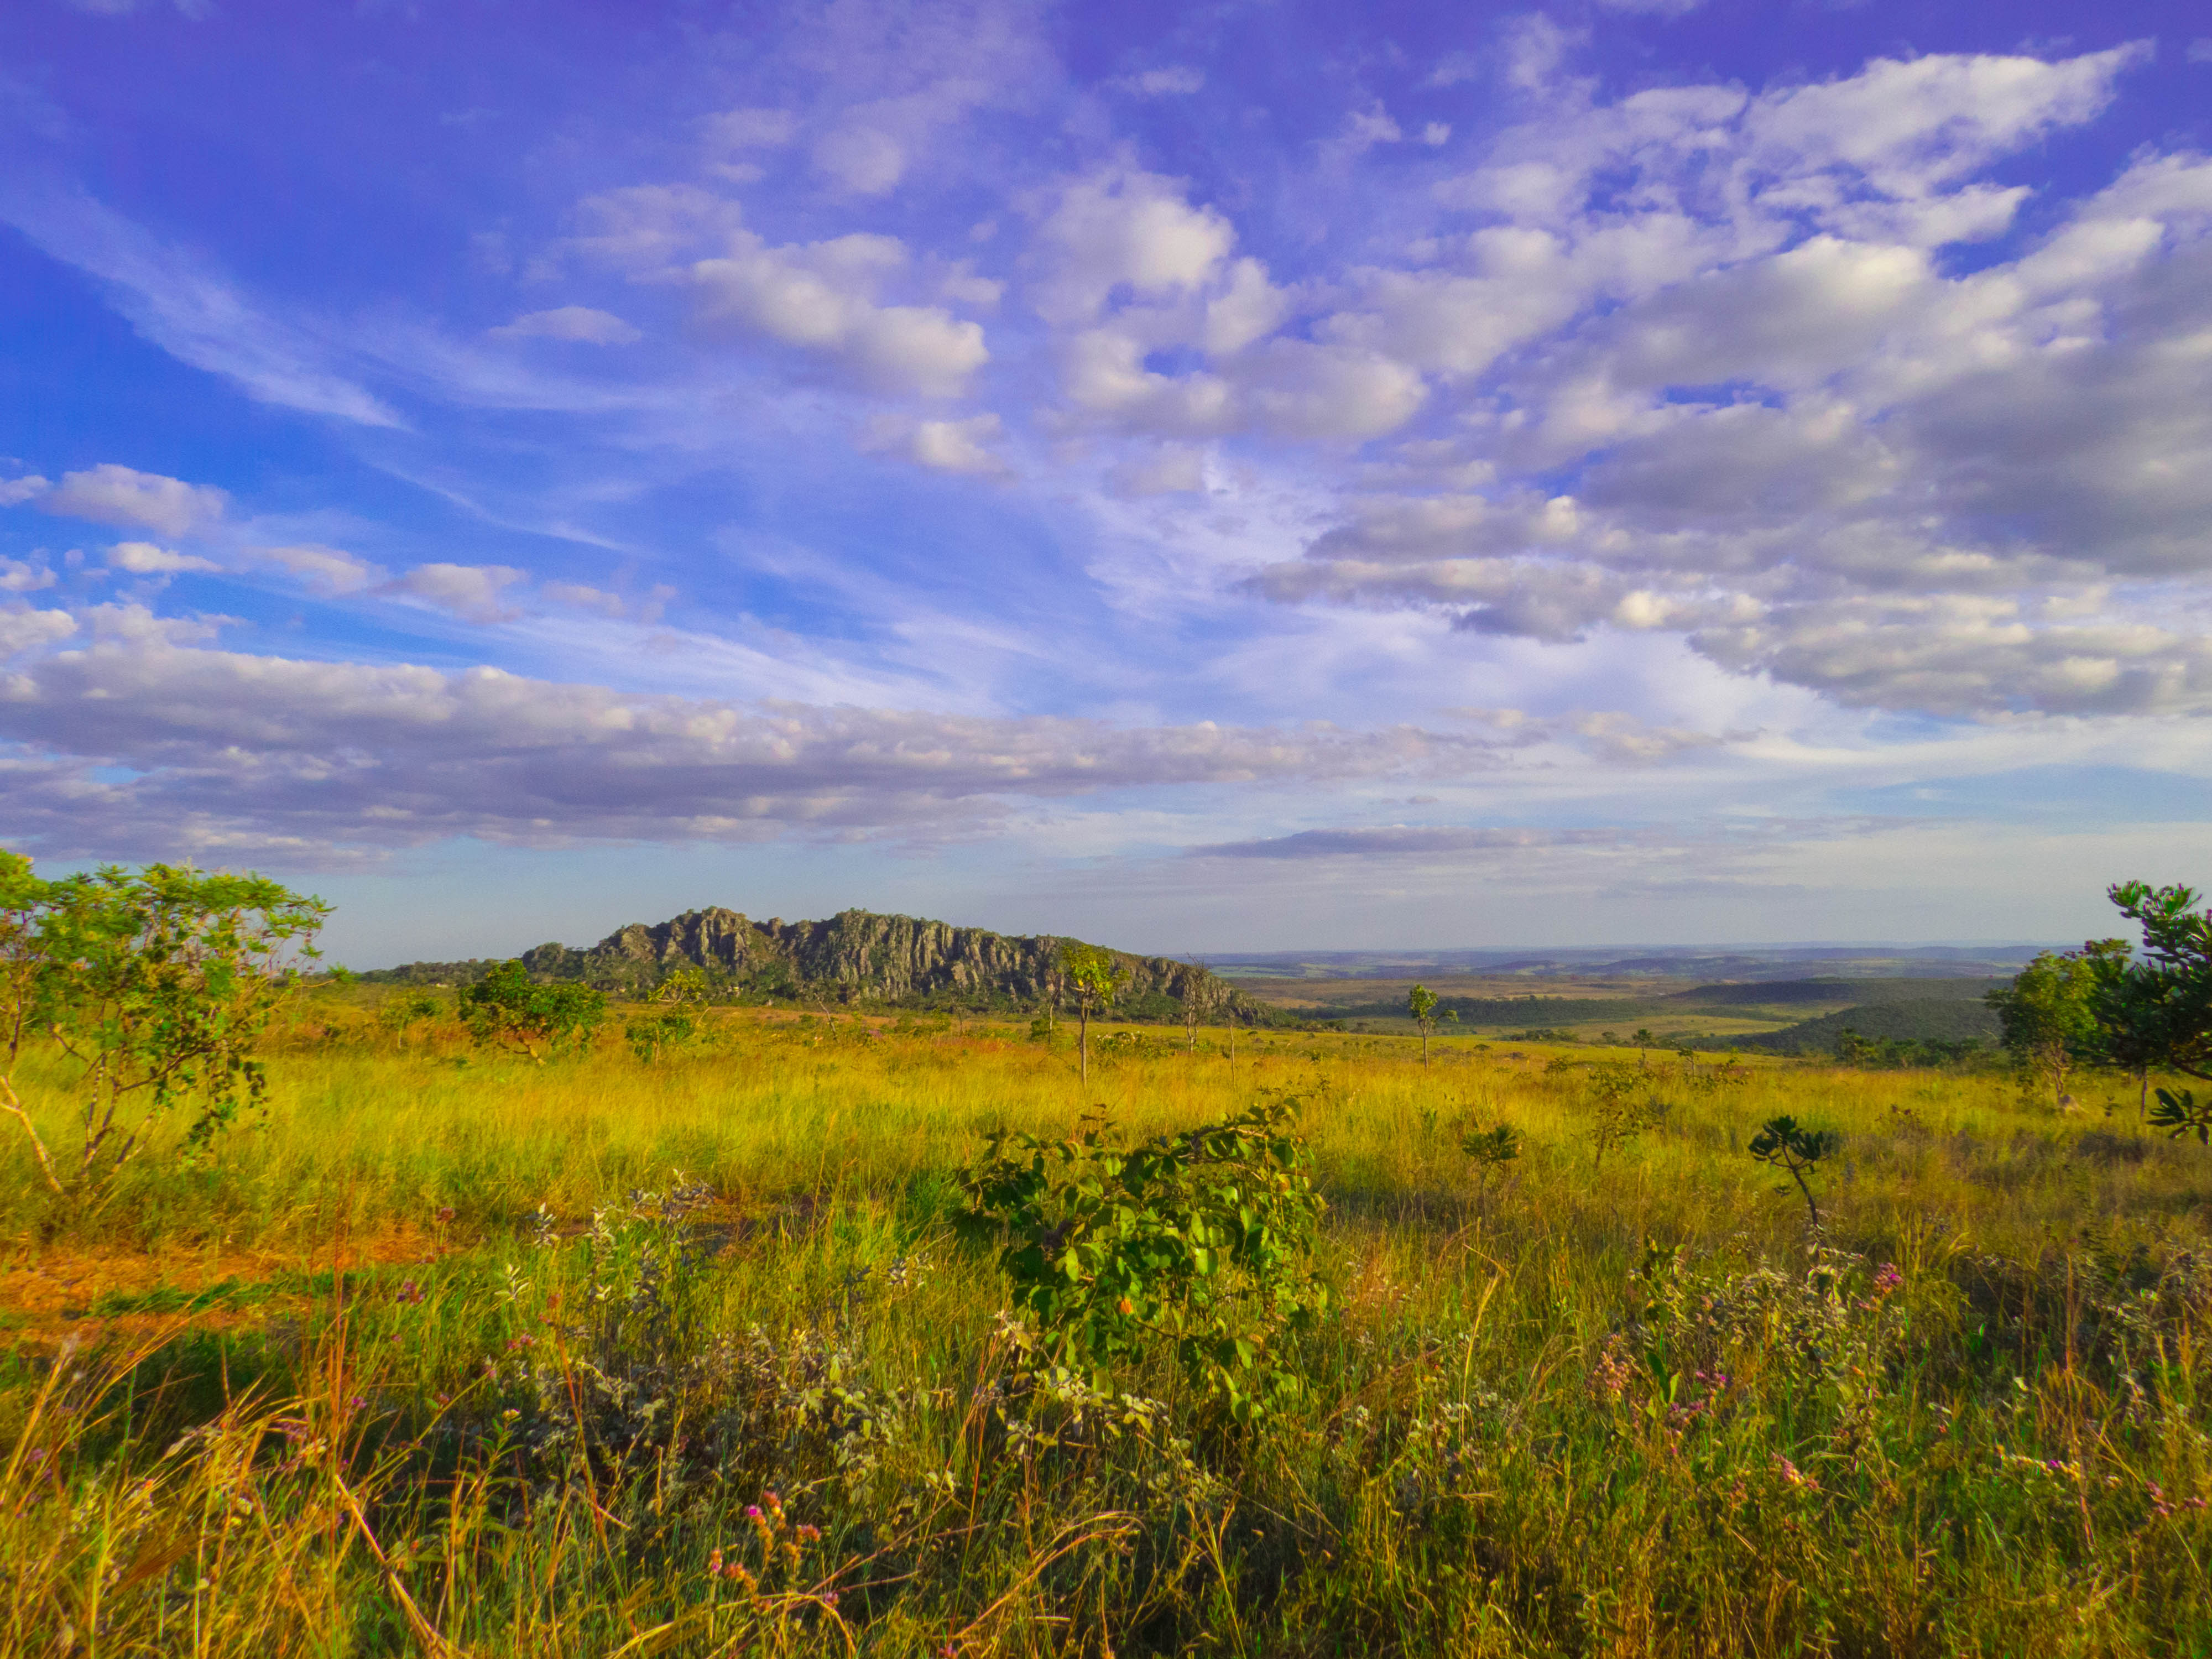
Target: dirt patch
[49,1295]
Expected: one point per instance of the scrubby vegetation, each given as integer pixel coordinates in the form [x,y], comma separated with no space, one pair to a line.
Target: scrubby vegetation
[800,1334]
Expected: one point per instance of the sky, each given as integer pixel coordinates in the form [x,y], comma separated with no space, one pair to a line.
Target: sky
[1204,477]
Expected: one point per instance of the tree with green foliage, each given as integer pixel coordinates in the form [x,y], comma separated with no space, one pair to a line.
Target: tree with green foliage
[1202,1241]
[686,988]
[1094,978]
[1645,1041]
[1783,1143]
[2154,1010]
[1421,1004]
[508,1009]
[2046,1019]
[157,985]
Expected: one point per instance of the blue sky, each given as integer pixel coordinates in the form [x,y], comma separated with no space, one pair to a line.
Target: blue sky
[1205,477]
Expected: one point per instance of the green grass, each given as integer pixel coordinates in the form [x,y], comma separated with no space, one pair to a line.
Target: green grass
[1631,1407]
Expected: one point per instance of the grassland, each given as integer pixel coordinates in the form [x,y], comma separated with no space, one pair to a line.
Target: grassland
[456,1353]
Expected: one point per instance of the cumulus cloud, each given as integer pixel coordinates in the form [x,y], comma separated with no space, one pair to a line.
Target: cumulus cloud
[13,490]
[327,570]
[115,494]
[473,592]
[822,297]
[578,323]
[24,629]
[241,751]
[1772,417]
[24,576]
[1128,230]
[145,559]
[956,446]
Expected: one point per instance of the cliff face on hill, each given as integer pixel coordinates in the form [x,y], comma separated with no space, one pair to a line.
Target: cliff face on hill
[854,956]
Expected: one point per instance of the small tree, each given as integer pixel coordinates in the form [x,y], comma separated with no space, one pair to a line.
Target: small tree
[1201,993]
[158,985]
[2046,1017]
[686,988]
[647,1037]
[1620,1116]
[1643,1041]
[1421,1004]
[508,1009]
[1093,977]
[1783,1145]
[1490,1150]
[2154,1010]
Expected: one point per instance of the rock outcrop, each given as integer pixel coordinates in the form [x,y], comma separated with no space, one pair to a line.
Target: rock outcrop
[857,956]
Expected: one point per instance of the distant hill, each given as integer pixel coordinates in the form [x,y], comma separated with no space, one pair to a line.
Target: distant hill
[1783,992]
[855,955]
[1919,1019]
[1767,963]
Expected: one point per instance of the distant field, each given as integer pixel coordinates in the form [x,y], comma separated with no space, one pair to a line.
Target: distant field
[460,1354]
[1801,1015]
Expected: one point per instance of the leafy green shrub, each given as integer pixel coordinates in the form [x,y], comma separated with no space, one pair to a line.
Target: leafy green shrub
[1200,1242]
[2178,1114]
[647,1037]
[508,1009]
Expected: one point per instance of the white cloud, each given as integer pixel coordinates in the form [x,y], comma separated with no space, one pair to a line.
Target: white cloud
[328,570]
[2200,49]
[473,592]
[145,559]
[1171,470]
[1125,229]
[244,751]
[645,226]
[114,494]
[13,490]
[958,445]
[864,159]
[25,631]
[614,606]
[23,576]
[578,323]
[821,297]
[1791,434]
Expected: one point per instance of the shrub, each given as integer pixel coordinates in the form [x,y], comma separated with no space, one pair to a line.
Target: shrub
[1201,1243]
[508,1009]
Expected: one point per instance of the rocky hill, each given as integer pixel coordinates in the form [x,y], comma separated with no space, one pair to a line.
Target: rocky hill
[854,956]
